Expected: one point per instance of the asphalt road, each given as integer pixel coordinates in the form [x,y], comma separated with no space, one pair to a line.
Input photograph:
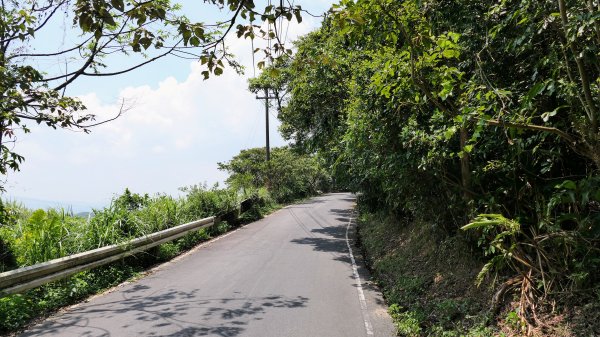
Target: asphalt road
[289,274]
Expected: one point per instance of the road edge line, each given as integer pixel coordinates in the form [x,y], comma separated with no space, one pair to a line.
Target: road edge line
[359,288]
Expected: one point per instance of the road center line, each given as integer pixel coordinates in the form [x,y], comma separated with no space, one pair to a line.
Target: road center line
[359,288]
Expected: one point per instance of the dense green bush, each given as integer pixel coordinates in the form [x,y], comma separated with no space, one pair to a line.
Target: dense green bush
[202,202]
[458,112]
[287,176]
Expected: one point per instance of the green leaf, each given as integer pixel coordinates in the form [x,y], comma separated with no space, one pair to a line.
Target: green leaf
[199,32]
[118,4]
[161,13]
[107,17]
[145,42]
[473,225]
[448,134]
[298,15]
[567,184]
[454,36]
[450,53]
[536,90]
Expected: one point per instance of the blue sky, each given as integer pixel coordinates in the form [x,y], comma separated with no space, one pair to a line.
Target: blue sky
[177,128]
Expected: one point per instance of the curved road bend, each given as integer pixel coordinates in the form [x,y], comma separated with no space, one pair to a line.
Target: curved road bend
[289,274]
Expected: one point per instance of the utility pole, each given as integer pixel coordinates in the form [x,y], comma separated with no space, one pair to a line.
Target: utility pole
[266,98]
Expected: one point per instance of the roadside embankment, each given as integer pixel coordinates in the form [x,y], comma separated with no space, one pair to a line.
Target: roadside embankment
[428,279]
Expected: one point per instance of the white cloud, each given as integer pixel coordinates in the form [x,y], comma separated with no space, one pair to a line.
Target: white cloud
[172,134]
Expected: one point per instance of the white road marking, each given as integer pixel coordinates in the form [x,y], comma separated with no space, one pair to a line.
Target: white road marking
[359,288]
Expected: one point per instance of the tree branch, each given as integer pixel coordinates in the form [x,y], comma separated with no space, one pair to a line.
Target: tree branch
[565,136]
[134,67]
[52,54]
[585,83]
[122,110]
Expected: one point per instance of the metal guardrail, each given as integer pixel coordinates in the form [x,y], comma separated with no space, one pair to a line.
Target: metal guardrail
[19,280]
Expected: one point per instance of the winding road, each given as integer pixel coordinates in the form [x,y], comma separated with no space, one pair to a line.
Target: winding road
[289,274]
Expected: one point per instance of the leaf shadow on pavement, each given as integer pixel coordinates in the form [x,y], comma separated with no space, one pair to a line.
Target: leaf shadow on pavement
[328,238]
[306,203]
[138,311]
[332,239]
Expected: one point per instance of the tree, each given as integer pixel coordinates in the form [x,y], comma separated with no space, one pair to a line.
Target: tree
[442,110]
[287,176]
[312,88]
[151,29]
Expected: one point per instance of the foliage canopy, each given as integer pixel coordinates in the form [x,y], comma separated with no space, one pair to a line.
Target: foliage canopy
[461,112]
[287,176]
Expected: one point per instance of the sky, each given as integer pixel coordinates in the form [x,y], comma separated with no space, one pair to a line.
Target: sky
[175,131]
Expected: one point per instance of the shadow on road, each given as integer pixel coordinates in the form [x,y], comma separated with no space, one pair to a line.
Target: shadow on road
[329,239]
[332,239]
[333,245]
[307,203]
[173,313]
[343,214]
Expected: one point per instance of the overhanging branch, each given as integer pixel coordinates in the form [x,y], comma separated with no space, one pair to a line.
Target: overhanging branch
[565,136]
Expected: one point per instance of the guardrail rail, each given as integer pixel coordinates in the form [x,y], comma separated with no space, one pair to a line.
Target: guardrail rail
[22,279]
[19,280]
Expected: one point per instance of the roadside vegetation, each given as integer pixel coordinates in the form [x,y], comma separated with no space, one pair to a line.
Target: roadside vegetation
[462,121]
[29,236]
[426,277]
